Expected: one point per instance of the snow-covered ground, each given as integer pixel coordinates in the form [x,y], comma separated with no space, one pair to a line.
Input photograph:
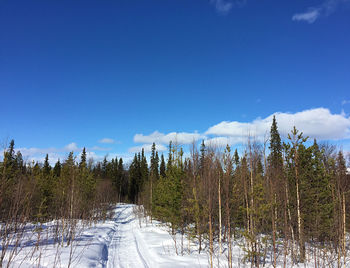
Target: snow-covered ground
[119,242]
[128,240]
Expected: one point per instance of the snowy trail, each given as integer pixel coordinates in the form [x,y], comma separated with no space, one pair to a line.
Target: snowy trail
[126,247]
[125,241]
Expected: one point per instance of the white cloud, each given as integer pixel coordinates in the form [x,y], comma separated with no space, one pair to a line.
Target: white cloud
[43,151]
[345,102]
[93,155]
[38,154]
[147,148]
[222,6]
[221,142]
[309,16]
[107,140]
[313,13]
[161,138]
[71,147]
[98,148]
[317,123]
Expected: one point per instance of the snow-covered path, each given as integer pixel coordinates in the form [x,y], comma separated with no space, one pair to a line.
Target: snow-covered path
[126,247]
[127,240]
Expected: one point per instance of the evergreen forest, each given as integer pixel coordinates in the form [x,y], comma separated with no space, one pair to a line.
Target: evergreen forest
[283,196]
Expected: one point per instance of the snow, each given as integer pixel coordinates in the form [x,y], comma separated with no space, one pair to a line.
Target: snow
[127,240]
[119,242]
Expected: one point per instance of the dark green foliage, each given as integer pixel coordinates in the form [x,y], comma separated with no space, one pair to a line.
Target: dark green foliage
[167,200]
[154,160]
[135,179]
[275,157]
[57,169]
[162,168]
[82,163]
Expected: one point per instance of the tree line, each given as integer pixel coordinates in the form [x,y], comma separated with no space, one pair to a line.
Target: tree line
[282,197]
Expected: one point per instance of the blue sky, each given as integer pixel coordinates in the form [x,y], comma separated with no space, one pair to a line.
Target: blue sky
[73,73]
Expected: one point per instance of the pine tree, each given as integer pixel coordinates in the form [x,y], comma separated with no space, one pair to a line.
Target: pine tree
[46,189]
[275,181]
[320,195]
[202,156]
[236,157]
[57,169]
[154,160]
[170,156]
[275,157]
[9,163]
[82,163]
[47,167]
[162,168]
[168,194]
[154,175]
[86,187]
[123,187]
[135,179]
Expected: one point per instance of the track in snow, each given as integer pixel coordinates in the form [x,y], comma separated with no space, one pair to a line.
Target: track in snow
[125,248]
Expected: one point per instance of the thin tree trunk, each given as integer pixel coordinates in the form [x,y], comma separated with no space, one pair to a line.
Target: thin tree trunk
[255,258]
[301,239]
[210,241]
[274,238]
[344,230]
[220,226]
[290,222]
[151,198]
[229,239]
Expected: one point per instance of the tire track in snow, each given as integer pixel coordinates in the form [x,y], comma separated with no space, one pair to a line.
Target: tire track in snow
[123,249]
[107,253]
[138,251]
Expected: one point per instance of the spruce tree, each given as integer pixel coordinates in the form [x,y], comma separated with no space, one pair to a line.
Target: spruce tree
[168,194]
[82,163]
[202,156]
[275,157]
[320,195]
[57,169]
[47,167]
[46,188]
[162,168]
[123,182]
[236,157]
[134,179]
[154,160]
[170,156]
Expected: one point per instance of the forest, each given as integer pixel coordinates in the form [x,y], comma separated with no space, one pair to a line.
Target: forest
[284,197]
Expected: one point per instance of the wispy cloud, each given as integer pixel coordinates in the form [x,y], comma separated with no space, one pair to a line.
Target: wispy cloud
[98,148]
[344,102]
[147,148]
[42,151]
[107,140]
[313,13]
[161,138]
[222,6]
[38,154]
[309,16]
